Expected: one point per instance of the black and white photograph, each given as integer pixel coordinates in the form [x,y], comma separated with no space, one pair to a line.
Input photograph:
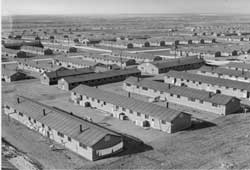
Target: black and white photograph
[125,84]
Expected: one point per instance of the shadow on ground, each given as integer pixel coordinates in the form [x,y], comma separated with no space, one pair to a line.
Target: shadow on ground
[146,76]
[200,124]
[132,145]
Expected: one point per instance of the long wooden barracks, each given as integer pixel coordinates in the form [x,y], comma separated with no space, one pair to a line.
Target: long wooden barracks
[141,113]
[95,79]
[85,138]
[230,74]
[238,66]
[214,84]
[197,99]
[52,77]
[164,66]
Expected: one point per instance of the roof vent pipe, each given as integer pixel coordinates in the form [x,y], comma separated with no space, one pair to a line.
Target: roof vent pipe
[81,130]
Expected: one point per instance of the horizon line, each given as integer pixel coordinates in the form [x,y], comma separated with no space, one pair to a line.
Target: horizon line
[173,13]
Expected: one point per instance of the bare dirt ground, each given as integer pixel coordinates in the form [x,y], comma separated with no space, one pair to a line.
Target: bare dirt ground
[225,145]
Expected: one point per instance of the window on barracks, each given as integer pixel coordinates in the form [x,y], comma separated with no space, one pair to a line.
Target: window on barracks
[191,99]
[128,84]
[82,145]
[69,139]
[144,88]
[214,104]
[178,96]
[146,116]
[138,114]
[104,103]
[60,134]
[163,122]
[123,109]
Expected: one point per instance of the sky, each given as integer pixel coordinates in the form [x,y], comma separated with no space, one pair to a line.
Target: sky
[24,7]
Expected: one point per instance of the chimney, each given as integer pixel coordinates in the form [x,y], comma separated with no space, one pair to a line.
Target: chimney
[169,86]
[44,113]
[210,94]
[81,130]
[18,100]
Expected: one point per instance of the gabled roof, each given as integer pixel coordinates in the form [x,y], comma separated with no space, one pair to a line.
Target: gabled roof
[106,58]
[177,62]
[106,74]
[142,56]
[238,65]
[48,65]
[153,110]
[61,121]
[182,91]
[78,61]
[9,50]
[225,71]
[26,47]
[8,72]
[209,80]
[68,72]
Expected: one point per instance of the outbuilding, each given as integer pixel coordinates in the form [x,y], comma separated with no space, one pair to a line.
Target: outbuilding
[11,75]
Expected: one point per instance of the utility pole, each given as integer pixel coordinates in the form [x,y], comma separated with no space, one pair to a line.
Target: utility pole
[121,58]
[175,48]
